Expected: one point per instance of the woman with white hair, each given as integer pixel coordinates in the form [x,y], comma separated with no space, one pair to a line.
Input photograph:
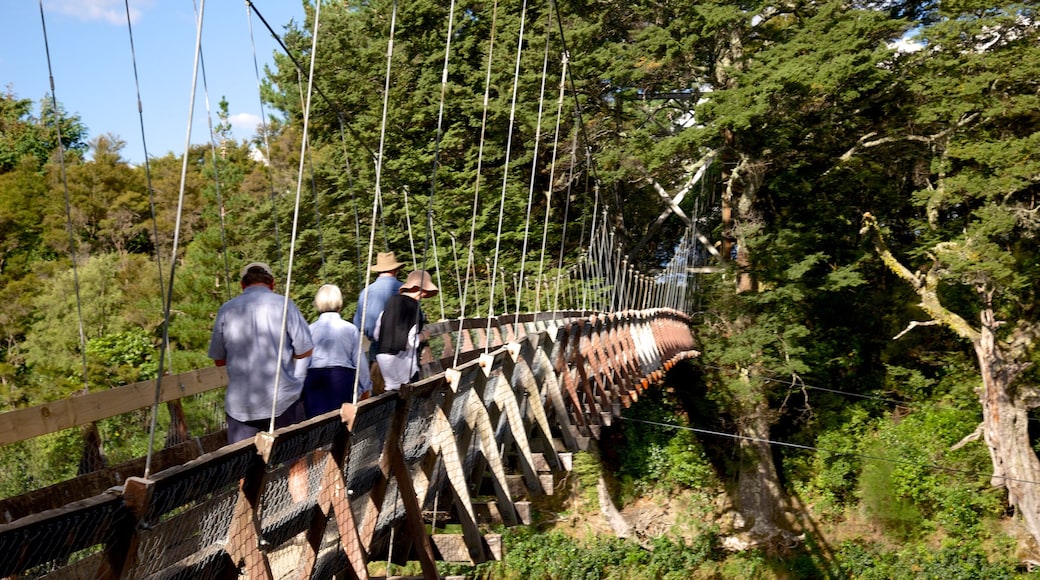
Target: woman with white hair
[334,364]
[398,331]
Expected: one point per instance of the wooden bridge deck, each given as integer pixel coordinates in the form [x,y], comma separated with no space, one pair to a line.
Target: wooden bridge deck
[354,486]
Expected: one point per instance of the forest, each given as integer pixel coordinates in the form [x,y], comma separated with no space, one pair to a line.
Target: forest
[865,173]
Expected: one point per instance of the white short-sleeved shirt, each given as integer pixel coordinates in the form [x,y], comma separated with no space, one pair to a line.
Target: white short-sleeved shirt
[398,369]
[246,334]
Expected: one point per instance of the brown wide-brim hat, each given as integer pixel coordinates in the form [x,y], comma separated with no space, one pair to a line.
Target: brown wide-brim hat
[420,280]
[386,262]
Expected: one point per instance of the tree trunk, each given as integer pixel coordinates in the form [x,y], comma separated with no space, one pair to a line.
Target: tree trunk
[1005,406]
[760,497]
[1005,411]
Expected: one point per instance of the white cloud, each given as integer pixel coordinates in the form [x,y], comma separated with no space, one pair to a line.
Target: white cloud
[244,124]
[110,11]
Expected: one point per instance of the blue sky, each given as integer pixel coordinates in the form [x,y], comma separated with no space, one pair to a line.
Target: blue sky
[93,69]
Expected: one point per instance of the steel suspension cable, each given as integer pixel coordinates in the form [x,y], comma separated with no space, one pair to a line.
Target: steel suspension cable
[377,198]
[267,140]
[144,145]
[534,168]
[167,306]
[216,172]
[566,214]
[296,215]
[552,182]
[436,159]
[314,194]
[153,419]
[68,202]
[470,256]
[505,171]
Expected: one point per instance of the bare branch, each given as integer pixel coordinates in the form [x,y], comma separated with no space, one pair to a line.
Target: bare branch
[973,436]
[914,324]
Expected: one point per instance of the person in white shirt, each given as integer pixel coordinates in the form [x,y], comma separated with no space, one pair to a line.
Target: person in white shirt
[399,329]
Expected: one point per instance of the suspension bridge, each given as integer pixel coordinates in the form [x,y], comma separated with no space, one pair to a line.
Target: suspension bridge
[378,481]
[422,474]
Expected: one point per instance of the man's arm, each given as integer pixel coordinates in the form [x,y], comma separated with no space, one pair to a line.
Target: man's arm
[303,362]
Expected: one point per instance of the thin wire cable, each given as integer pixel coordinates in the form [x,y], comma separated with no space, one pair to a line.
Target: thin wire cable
[68,202]
[470,255]
[267,140]
[566,221]
[144,145]
[216,172]
[296,216]
[314,193]
[436,162]
[505,171]
[151,204]
[377,199]
[299,67]
[932,466]
[177,228]
[534,169]
[552,183]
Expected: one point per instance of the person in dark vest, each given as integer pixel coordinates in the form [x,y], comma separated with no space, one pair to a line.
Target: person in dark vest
[398,331]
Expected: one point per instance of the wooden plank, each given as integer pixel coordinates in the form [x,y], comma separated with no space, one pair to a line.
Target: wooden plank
[22,424]
[95,483]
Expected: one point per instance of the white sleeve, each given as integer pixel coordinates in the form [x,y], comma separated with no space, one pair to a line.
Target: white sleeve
[379,324]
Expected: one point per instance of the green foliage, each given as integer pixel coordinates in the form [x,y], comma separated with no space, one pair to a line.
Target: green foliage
[24,137]
[122,358]
[907,486]
[652,455]
[556,556]
[828,477]
[961,560]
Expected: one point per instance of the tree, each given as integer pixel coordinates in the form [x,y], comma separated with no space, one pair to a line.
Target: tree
[22,135]
[973,252]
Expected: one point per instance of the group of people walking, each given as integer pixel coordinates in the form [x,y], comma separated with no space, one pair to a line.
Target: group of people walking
[320,362]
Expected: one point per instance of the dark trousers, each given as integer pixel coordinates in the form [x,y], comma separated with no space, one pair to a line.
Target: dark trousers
[326,389]
[239,430]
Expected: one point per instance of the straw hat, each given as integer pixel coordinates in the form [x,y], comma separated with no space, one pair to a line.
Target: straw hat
[386,262]
[419,280]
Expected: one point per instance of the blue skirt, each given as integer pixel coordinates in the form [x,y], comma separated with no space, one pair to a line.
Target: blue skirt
[326,389]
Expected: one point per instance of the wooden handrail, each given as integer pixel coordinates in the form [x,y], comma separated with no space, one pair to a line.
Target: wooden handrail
[22,424]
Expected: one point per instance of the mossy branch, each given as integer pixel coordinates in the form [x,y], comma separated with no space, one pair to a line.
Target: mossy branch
[926,284]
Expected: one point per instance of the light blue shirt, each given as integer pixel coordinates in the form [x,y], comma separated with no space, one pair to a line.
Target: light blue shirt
[381,290]
[246,334]
[336,344]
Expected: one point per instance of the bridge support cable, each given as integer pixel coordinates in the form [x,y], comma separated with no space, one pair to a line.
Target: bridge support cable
[313,181]
[296,215]
[377,200]
[470,256]
[177,431]
[93,456]
[534,165]
[505,163]
[538,306]
[265,133]
[216,180]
